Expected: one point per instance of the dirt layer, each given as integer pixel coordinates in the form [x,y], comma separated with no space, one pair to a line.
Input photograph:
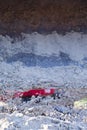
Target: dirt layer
[42,16]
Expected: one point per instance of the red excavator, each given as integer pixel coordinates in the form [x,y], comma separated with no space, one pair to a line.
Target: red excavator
[42,92]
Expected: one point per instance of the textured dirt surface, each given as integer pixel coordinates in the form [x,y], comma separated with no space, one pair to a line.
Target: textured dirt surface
[58,114]
[42,16]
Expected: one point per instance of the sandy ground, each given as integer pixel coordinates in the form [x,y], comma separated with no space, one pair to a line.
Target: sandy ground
[48,114]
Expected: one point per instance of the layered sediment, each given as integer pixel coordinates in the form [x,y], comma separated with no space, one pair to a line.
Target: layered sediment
[42,16]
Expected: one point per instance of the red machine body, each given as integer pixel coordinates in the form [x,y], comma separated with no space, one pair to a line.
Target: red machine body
[38,92]
[35,92]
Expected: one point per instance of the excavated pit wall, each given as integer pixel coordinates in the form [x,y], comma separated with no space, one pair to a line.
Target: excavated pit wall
[42,16]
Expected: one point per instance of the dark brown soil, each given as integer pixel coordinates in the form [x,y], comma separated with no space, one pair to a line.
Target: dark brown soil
[42,16]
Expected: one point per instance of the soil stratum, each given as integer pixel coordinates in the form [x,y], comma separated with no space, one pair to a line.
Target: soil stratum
[42,16]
